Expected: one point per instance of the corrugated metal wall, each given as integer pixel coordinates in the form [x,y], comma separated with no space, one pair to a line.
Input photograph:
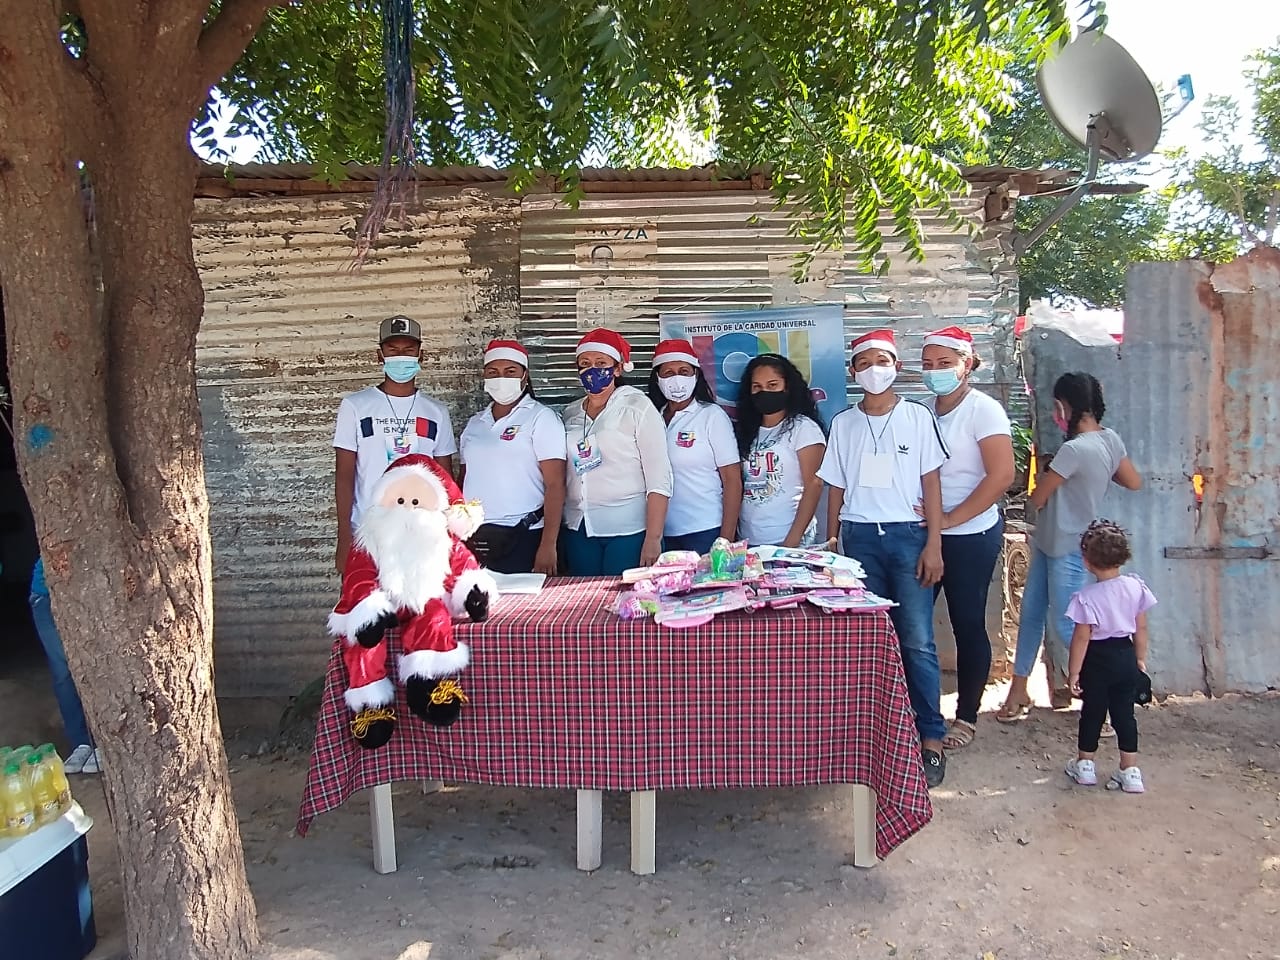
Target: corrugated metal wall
[288,330]
[621,260]
[1192,392]
[1201,360]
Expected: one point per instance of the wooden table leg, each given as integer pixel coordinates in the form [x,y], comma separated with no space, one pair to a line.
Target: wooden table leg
[864,826]
[590,828]
[382,818]
[644,809]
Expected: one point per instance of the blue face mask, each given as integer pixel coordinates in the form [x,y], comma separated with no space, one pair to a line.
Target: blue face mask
[943,382]
[596,379]
[401,369]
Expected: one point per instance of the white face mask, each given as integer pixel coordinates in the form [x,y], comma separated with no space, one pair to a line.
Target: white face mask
[677,389]
[876,379]
[504,389]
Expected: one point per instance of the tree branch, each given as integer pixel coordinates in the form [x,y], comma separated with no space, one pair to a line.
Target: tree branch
[223,41]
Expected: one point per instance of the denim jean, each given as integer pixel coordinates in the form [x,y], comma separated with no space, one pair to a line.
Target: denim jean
[969,560]
[697,542]
[888,553]
[64,688]
[1051,581]
[587,556]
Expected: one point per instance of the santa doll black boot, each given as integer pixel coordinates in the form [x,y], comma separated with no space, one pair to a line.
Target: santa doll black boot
[437,701]
[372,727]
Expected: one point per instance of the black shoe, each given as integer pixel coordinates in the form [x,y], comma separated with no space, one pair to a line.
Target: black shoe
[935,767]
[439,702]
[372,727]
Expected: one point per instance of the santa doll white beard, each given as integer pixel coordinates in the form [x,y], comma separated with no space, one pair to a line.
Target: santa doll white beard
[411,551]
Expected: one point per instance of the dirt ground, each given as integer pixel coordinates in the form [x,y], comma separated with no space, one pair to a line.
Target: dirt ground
[1018,863]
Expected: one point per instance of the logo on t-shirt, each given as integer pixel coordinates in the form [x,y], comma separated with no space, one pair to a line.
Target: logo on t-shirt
[426,428]
[509,433]
[903,449]
[685,438]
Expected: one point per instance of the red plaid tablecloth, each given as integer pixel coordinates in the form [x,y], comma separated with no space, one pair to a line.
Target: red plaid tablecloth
[565,695]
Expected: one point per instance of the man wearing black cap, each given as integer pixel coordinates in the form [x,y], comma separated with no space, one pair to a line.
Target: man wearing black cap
[383,423]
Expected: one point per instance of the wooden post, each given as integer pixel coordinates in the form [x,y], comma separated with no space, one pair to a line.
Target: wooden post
[864,826]
[644,808]
[590,828]
[382,818]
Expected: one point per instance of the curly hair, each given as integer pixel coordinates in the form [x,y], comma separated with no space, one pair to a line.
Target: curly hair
[1105,545]
[800,402]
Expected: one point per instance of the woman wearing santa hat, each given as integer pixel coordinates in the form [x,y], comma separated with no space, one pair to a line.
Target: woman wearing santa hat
[707,490]
[883,457]
[976,475]
[619,477]
[513,459]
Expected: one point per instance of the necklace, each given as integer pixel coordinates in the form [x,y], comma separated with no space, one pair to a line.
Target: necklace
[401,423]
[875,440]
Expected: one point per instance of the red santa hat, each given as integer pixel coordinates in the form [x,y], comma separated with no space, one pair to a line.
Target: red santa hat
[506,350]
[610,344]
[953,338]
[675,351]
[875,340]
[463,517]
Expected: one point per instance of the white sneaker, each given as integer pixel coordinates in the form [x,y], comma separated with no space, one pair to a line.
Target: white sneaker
[1128,779]
[1082,772]
[93,764]
[78,758]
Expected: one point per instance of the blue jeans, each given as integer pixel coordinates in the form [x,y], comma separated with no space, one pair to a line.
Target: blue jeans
[969,560]
[586,556]
[64,688]
[1051,581]
[888,553]
[697,542]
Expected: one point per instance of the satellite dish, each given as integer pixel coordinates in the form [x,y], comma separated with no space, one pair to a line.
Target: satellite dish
[1092,84]
[1098,96]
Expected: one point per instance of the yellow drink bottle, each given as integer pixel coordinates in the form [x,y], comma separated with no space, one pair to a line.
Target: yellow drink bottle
[19,813]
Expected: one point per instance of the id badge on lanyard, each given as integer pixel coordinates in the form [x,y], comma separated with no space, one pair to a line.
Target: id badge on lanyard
[586,456]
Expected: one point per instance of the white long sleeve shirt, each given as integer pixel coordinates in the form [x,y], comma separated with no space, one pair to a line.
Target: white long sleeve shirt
[629,439]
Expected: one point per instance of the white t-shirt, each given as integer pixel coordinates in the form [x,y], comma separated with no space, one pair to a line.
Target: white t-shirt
[381,428]
[615,462]
[700,441]
[977,417]
[502,460]
[878,461]
[772,484]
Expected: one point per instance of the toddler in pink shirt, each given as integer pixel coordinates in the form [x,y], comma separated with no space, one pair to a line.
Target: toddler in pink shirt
[1108,655]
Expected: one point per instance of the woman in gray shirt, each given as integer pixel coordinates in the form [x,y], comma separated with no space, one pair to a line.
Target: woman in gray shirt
[1068,494]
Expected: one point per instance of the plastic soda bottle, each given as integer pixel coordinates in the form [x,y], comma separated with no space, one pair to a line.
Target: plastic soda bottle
[58,774]
[19,813]
[44,795]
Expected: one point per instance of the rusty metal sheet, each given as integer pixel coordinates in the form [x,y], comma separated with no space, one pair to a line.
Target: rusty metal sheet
[731,251]
[289,329]
[1197,398]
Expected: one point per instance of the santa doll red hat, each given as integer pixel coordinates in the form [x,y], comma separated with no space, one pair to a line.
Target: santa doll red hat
[409,568]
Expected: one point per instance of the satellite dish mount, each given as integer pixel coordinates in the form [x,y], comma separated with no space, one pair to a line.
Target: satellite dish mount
[1099,98]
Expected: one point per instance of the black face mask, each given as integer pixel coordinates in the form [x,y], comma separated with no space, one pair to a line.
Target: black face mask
[769,401]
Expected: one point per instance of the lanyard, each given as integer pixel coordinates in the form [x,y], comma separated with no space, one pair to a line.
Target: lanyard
[401,425]
[875,440]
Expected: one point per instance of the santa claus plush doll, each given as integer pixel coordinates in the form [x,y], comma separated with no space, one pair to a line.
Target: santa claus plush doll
[409,568]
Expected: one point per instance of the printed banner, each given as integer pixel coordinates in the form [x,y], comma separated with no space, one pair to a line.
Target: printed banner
[810,336]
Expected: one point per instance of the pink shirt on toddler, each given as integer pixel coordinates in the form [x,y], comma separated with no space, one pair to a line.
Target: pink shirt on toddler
[1111,607]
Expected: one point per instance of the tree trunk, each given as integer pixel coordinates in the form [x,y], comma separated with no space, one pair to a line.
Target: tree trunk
[101,323]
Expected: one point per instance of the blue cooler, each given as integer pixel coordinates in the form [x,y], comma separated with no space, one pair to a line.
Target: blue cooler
[45,907]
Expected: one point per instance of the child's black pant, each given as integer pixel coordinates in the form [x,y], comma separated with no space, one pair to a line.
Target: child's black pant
[1108,679]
